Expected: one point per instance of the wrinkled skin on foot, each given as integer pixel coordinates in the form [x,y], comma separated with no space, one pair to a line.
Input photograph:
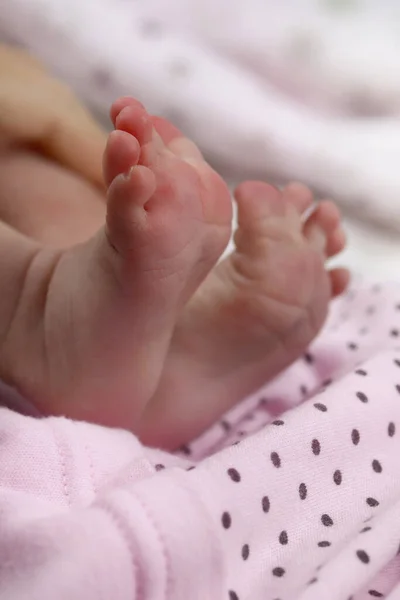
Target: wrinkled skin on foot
[254,315]
[85,330]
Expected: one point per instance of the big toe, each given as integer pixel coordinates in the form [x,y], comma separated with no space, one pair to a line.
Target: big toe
[135,120]
[118,106]
[257,201]
[130,116]
[130,186]
[126,202]
[121,154]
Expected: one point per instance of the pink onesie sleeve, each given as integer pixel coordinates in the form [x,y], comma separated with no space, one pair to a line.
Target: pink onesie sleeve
[73,527]
[127,545]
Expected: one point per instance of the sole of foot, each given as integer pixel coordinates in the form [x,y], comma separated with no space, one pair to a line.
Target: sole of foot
[255,314]
[92,324]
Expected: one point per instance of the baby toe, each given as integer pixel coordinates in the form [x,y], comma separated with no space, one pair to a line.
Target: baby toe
[135,120]
[256,202]
[122,103]
[175,141]
[340,279]
[335,242]
[299,195]
[121,154]
[322,229]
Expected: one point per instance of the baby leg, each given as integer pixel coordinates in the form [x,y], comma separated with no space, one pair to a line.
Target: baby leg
[47,202]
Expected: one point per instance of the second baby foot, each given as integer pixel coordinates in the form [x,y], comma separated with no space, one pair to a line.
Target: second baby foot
[255,314]
[90,327]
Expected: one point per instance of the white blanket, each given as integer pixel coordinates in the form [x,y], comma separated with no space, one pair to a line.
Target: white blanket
[293,89]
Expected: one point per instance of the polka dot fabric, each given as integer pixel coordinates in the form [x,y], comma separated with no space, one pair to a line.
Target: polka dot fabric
[303,479]
[293,495]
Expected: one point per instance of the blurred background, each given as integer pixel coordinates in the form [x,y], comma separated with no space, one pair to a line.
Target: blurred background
[282,90]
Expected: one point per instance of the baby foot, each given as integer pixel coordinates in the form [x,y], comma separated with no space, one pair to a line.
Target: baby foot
[255,314]
[93,323]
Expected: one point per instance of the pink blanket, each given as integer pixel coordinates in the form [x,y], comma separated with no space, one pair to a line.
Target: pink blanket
[295,495]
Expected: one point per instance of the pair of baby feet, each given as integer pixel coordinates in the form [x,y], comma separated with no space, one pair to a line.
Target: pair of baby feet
[137,327]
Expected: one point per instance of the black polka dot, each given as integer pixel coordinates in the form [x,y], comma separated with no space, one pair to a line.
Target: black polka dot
[245,552]
[361,372]
[191,468]
[324,544]
[352,346]
[355,437]
[265,503]
[283,538]
[159,467]
[276,460]
[303,390]
[316,447]
[263,402]
[391,429]
[225,425]
[226,520]
[185,450]
[337,477]
[372,502]
[397,388]
[394,332]
[312,581]
[365,529]
[308,358]
[326,520]
[321,407]
[234,475]
[278,572]
[397,362]
[361,396]
[363,556]
[233,595]
[303,491]
[375,594]
[377,467]
[278,422]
